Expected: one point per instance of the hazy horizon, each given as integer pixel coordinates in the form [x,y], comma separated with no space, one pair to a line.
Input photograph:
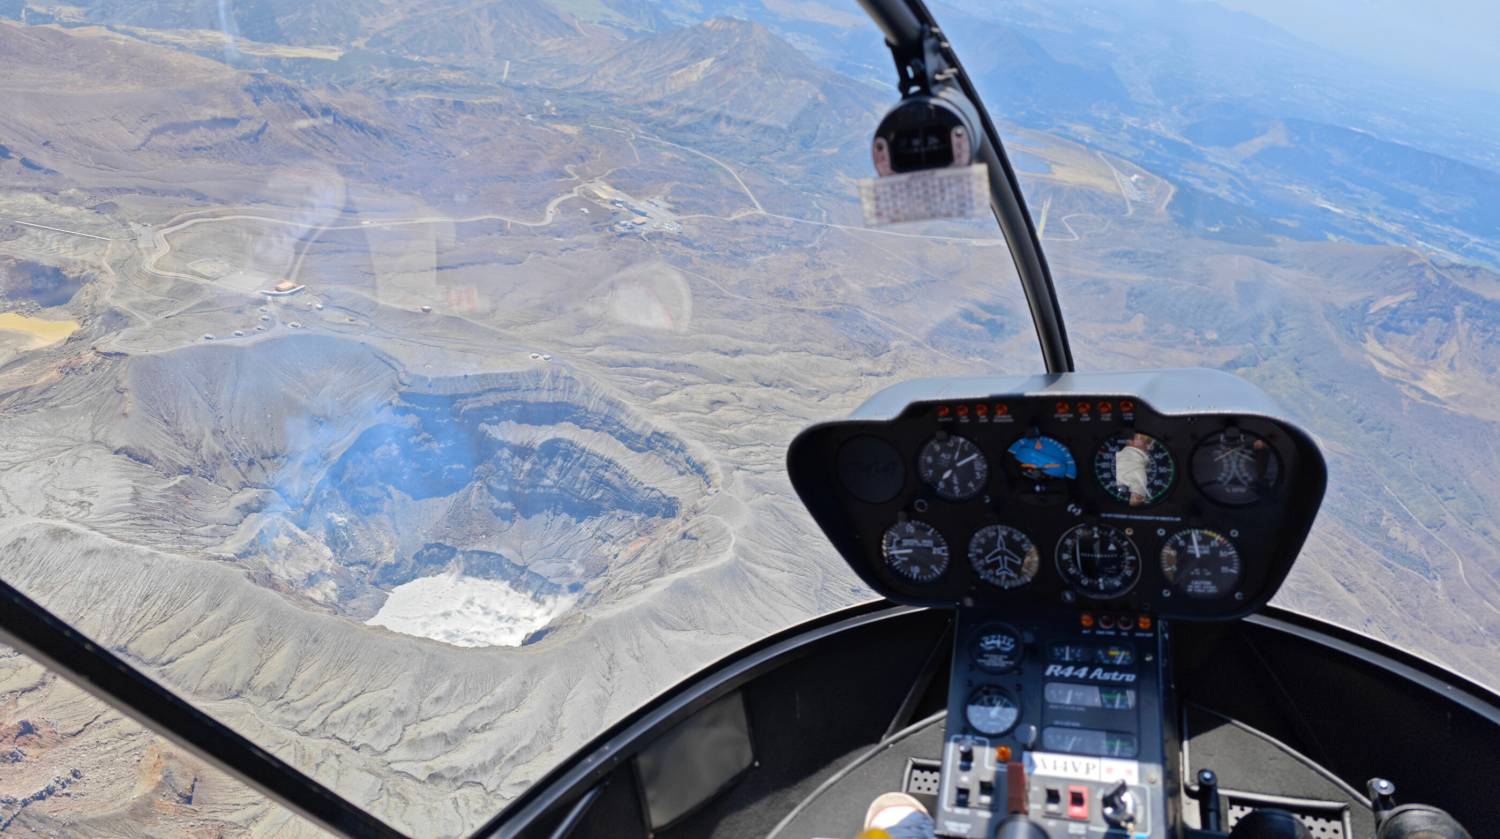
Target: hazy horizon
[1446,41]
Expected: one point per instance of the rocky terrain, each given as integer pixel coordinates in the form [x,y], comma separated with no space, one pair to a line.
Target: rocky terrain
[135,784]
[508,459]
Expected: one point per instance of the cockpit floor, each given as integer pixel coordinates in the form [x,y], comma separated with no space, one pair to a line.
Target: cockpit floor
[836,809]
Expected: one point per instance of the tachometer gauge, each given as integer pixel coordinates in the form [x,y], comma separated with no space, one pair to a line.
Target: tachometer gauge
[1003,556]
[915,550]
[1135,468]
[953,466]
[1037,457]
[997,648]
[1201,563]
[992,710]
[1235,467]
[1098,560]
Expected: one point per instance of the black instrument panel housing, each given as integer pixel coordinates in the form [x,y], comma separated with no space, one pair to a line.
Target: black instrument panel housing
[1180,408]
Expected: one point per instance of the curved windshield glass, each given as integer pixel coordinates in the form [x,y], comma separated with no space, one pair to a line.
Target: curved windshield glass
[1299,194]
[410,389]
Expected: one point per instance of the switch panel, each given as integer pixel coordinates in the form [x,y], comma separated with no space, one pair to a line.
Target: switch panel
[1074,707]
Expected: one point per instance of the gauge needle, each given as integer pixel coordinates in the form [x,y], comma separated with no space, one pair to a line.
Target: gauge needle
[1197,551]
[899,551]
[965,460]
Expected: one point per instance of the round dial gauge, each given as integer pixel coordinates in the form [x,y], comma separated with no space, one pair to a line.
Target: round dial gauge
[1235,467]
[1098,560]
[997,648]
[992,710]
[915,550]
[1135,468]
[1038,457]
[1201,563]
[953,466]
[1003,556]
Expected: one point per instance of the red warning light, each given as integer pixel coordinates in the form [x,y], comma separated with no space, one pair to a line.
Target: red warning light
[982,410]
[944,410]
[1063,407]
[1126,405]
[963,410]
[1106,407]
[1002,409]
[1085,620]
[1084,407]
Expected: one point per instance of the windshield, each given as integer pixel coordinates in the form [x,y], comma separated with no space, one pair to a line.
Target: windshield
[410,390]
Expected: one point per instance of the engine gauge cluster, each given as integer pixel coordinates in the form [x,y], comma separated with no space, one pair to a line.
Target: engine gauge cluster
[1105,491]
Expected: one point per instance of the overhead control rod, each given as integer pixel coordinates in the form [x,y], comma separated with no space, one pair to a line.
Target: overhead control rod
[51,642]
[924,58]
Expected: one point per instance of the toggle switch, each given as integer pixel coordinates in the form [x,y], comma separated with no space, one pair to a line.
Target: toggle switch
[1078,803]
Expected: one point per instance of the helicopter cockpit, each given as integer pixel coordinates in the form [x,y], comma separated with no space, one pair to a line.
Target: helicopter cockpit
[1067,520]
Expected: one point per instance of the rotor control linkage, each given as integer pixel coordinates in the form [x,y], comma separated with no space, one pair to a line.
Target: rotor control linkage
[1409,821]
[1208,800]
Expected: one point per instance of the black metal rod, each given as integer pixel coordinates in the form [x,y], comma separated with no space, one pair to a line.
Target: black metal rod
[895,20]
[39,634]
[901,21]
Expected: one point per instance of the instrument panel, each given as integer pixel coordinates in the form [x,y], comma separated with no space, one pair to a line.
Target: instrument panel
[1077,491]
